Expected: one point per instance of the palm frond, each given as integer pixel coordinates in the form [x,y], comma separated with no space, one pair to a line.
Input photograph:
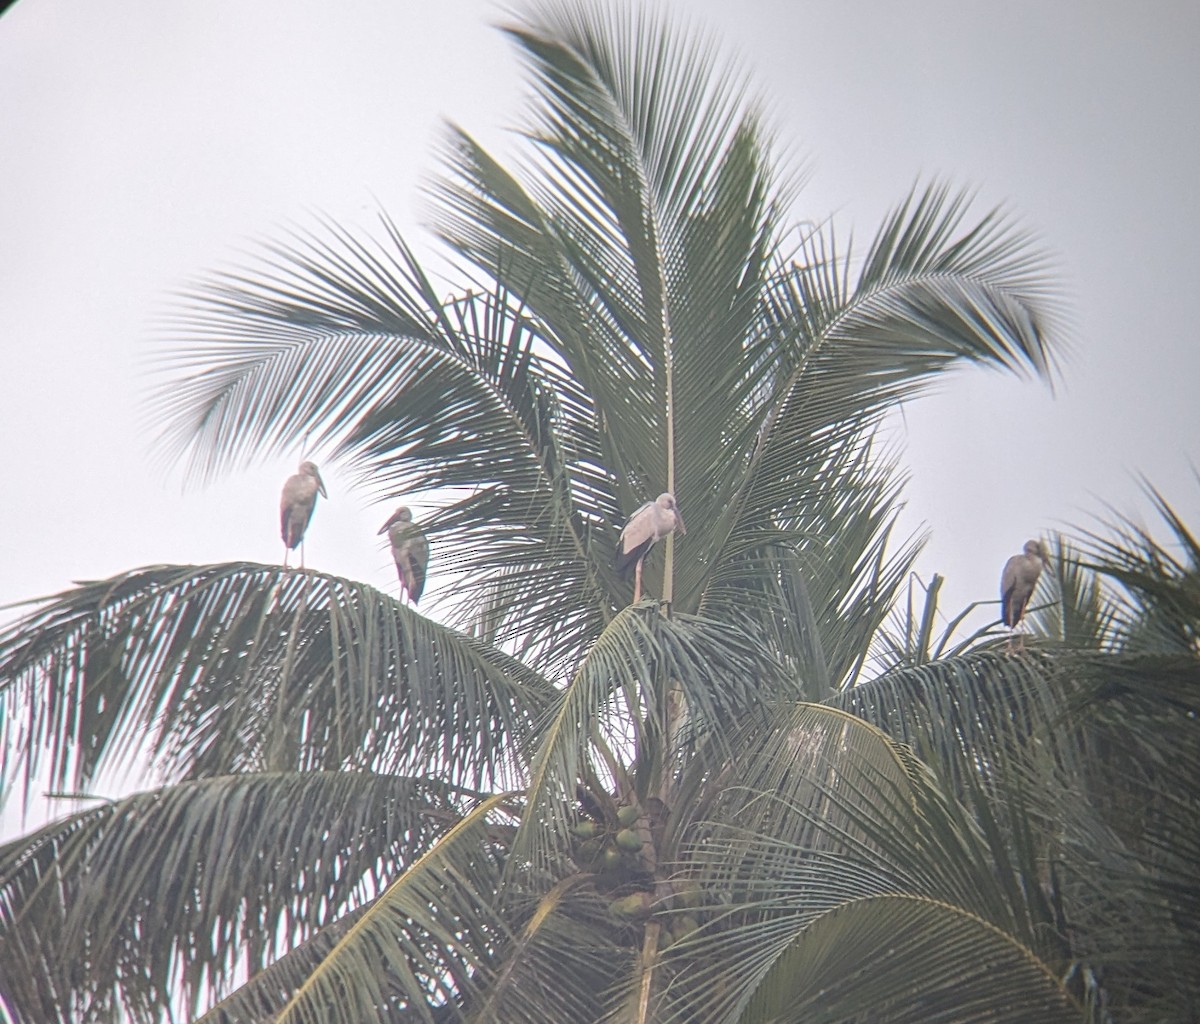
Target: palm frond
[239,666]
[415,952]
[903,959]
[649,80]
[1078,768]
[831,826]
[965,715]
[343,343]
[1079,613]
[221,872]
[677,214]
[296,344]
[932,291]
[1161,579]
[562,961]
[1126,831]
[489,218]
[618,702]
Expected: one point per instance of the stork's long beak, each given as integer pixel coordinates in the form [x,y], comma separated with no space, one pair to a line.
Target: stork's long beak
[679,522]
[320,485]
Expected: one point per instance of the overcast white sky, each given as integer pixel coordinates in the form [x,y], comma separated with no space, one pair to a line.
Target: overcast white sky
[142,142]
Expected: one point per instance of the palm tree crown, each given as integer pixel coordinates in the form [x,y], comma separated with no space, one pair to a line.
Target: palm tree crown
[746,801]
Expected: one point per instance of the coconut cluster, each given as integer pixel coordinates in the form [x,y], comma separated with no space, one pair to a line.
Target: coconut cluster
[617,841]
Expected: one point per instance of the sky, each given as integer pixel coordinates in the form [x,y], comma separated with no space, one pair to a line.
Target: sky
[143,143]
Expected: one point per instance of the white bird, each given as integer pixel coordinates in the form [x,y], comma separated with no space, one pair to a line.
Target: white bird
[646,527]
[1020,576]
[410,549]
[296,507]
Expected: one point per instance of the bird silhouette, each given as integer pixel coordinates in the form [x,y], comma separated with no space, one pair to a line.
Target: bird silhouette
[646,527]
[1018,579]
[410,549]
[296,507]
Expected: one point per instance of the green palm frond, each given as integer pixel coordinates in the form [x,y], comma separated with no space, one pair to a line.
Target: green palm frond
[1070,606]
[238,666]
[1160,580]
[648,81]
[1079,769]
[906,960]
[1126,826]
[297,344]
[829,829]
[618,702]
[419,948]
[221,871]
[344,343]
[968,715]
[561,964]
[687,227]
[933,289]
[845,352]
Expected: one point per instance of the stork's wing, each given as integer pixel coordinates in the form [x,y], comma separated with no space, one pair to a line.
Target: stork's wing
[626,560]
[296,508]
[637,527]
[636,538]
[1008,583]
[1017,584]
[412,561]
[1009,614]
[1008,578]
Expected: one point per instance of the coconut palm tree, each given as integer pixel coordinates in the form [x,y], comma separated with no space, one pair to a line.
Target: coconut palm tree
[740,799]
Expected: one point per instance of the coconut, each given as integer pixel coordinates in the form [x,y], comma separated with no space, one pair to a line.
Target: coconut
[611,859]
[629,839]
[586,829]
[636,904]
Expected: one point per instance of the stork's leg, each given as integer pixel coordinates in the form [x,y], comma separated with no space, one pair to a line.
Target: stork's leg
[637,582]
[301,554]
[285,555]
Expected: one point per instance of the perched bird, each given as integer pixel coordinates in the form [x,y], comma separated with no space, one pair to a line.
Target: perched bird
[1020,576]
[648,525]
[296,507]
[410,549]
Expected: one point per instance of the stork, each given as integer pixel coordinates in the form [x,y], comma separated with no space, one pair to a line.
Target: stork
[410,549]
[296,507]
[646,527]
[1020,576]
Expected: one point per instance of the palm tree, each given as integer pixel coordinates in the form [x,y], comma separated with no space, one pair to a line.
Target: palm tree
[741,799]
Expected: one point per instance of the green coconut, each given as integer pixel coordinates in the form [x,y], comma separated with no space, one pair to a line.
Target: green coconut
[636,904]
[611,858]
[629,839]
[586,829]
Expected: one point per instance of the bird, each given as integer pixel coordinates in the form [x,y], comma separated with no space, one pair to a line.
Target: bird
[296,507]
[1020,576]
[649,524]
[410,549]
